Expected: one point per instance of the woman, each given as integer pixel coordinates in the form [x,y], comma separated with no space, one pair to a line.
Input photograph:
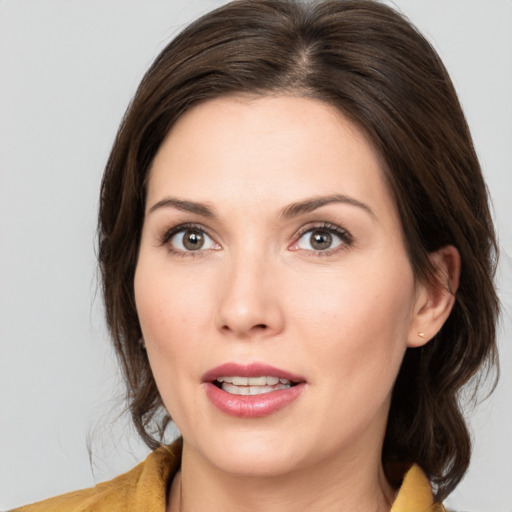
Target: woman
[297,260]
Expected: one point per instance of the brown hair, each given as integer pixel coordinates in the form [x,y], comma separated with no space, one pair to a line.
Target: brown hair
[369,62]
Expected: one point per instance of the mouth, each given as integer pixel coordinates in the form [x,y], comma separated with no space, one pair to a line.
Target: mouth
[250,386]
[252,391]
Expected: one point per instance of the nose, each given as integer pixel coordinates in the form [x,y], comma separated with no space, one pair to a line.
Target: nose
[249,299]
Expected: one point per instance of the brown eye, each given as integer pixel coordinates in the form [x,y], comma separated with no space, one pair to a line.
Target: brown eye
[323,239]
[320,240]
[189,239]
[193,240]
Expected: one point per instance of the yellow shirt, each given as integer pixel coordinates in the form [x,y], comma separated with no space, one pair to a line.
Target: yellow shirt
[144,489]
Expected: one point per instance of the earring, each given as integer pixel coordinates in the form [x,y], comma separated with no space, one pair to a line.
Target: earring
[421,334]
[142,343]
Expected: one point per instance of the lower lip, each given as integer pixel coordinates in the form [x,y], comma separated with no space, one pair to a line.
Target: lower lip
[254,406]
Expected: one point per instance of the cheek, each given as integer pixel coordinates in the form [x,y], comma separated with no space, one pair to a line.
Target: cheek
[171,317]
[169,302]
[175,309]
[356,320]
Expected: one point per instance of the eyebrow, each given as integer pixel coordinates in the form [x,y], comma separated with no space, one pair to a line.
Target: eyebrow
[292,210]
[309,205]
[184,206]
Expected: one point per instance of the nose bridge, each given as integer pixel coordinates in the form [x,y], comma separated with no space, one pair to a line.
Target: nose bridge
[248,302]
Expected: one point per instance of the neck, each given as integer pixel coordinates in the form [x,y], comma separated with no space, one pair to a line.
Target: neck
[327,487]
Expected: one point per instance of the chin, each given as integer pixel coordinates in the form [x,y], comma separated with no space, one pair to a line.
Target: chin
[258,463]
[251,453]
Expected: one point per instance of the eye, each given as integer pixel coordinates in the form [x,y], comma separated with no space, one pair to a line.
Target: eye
[322,239]
[189,239]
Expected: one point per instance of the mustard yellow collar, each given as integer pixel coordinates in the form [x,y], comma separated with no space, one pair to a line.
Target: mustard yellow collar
[415,494]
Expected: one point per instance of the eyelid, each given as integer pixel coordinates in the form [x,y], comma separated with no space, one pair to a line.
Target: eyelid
[343,234]
[171,232]
[338,231]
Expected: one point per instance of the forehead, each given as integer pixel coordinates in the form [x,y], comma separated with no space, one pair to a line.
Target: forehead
[269,150]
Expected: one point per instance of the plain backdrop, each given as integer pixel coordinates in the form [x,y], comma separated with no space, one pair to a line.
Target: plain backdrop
[68,69]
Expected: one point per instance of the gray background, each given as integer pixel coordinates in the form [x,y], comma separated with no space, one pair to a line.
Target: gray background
[67,71]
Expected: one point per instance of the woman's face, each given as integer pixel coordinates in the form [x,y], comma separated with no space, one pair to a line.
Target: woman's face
[271,247]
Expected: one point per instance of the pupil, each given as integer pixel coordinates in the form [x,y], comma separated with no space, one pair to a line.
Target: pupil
[320,240]
[193,240]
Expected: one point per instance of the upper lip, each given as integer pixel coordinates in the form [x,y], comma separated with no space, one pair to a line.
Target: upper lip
[249,370]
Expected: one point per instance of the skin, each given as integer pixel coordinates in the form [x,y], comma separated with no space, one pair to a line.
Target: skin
[258,290]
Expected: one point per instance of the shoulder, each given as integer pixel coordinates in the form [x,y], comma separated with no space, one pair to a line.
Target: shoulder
[142,488]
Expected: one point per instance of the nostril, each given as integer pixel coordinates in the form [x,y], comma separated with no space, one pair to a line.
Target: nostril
[257,327]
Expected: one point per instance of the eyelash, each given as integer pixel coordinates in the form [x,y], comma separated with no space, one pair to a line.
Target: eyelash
[345,237]
[167,236]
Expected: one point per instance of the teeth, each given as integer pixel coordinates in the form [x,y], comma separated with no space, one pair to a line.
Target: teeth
[252,390]
[253,381]
[252,385]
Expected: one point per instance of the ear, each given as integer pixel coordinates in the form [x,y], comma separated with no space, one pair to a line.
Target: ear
[435,298]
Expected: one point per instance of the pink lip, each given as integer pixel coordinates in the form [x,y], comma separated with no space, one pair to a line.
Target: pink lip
[249,370]
[255,406]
